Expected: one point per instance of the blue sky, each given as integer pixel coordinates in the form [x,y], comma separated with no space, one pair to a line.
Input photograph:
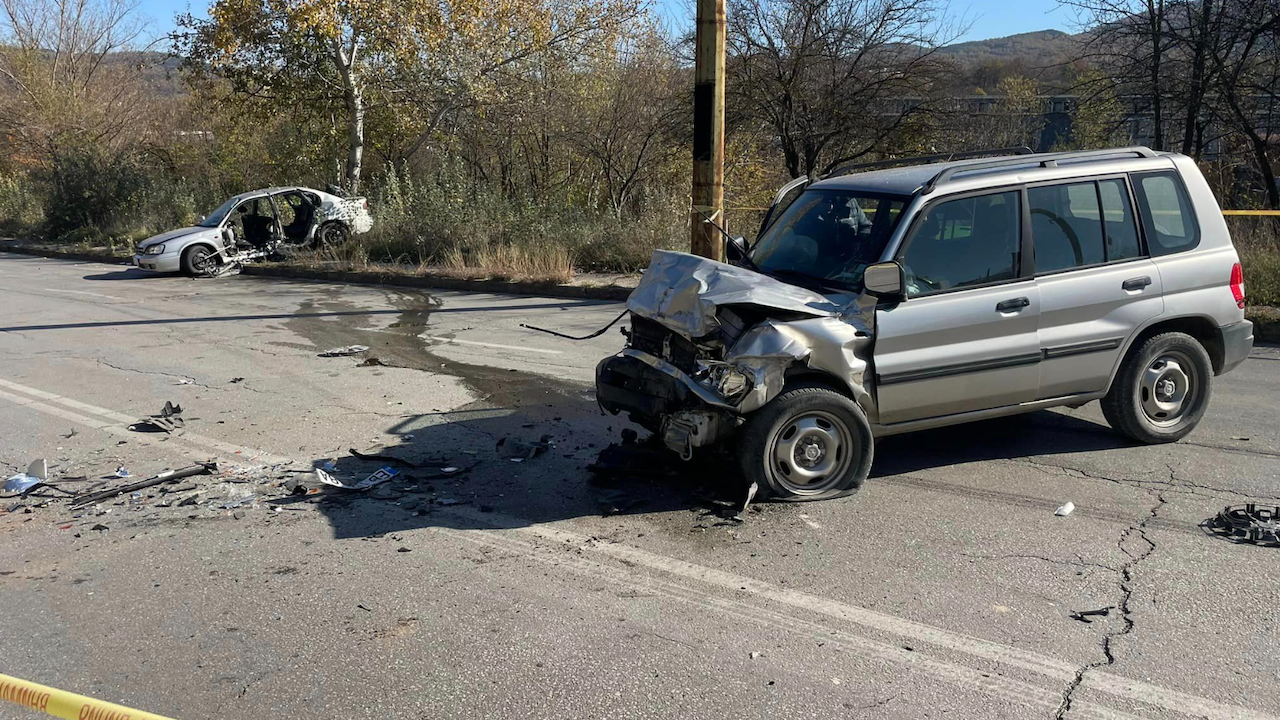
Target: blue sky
[987,18]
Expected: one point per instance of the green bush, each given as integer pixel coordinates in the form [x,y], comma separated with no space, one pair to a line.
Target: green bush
[92,194]
[21,206]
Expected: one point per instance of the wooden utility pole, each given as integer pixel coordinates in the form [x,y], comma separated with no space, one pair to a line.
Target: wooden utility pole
[708,131]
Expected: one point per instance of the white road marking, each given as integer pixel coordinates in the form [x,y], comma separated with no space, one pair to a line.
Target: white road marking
[117,423]
[84,292]
[477,343]
[1052,668]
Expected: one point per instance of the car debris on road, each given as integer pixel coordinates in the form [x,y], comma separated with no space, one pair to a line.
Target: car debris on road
[1249,523]
[168,421]
[343,351]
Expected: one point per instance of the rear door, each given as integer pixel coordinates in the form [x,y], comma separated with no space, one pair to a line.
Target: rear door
[1097,285]
[965,337]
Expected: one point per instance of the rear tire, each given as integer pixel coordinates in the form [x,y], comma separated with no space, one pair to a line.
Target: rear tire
[808,443]
[1162,389]
[331,234]
[198,260]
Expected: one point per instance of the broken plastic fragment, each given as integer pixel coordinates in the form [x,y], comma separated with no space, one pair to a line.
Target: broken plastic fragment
[37,472]
[382,475]
[121,472]
[1065,509]
[344,351]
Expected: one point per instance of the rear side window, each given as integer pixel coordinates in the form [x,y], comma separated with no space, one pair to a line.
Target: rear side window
[1119,225]
[963,243]
[1066,225]
[1166,213]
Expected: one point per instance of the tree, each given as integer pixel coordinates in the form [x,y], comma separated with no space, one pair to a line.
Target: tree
[833,79]
[1246,65]
[350,56]
[633,110]
[1132,42]
[67,80]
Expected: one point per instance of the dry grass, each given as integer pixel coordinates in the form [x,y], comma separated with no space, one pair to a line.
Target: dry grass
[1258,242]
[549,264]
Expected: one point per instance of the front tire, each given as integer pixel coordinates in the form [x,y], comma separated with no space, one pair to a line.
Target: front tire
[1162,389]
[199,260]
[809,443]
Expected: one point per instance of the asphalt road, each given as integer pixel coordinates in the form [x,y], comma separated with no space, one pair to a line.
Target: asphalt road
[944,588]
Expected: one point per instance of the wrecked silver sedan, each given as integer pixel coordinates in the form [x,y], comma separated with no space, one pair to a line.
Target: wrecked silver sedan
[900,299]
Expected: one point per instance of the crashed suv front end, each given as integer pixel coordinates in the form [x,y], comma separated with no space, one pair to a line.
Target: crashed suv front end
[710,343]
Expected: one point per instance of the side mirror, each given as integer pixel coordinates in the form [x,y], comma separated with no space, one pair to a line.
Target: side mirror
[201,219]
[736,249]
[884,280]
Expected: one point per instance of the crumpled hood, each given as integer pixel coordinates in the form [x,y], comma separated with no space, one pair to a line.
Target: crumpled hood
[175,234]
[682,291]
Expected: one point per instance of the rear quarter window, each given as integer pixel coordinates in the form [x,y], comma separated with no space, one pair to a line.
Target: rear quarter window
[1166,213]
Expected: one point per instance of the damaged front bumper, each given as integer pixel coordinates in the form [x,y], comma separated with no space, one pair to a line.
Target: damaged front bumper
[663,399]
[711,343]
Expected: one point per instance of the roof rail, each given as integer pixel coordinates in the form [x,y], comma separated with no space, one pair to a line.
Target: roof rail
[1044,160]
[926,159]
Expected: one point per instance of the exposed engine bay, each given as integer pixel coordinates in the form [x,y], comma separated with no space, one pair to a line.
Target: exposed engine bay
[711,342]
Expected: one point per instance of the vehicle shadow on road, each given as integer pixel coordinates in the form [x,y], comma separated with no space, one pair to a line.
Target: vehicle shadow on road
[506,478]
[130,274]
[1018,436]
[520,463]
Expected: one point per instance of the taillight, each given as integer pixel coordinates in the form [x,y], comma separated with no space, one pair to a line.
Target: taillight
[1237,284]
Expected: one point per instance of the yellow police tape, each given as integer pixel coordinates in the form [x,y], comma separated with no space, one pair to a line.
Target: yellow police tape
[60,703]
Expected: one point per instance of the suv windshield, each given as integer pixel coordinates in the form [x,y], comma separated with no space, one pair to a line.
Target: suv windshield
[829,236]
[215,218]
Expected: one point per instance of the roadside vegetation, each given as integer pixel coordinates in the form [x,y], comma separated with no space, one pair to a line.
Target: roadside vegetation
[537,138]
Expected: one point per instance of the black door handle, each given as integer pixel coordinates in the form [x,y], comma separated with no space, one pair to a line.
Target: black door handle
[1013,305]
[1136,283]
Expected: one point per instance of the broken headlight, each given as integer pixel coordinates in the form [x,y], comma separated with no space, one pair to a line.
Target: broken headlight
[154,249]
[728,381]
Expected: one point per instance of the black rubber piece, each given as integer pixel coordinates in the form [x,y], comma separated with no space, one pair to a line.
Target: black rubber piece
[1122,405]
[753,442]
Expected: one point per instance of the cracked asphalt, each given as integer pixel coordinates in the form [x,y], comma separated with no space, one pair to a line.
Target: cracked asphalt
[946,587]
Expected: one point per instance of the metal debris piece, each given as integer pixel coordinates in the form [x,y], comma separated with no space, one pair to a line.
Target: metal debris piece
[1065,509]
[595,334]
[185,381]
[121,472]
[168,476]
[524,450]
[382,457]
[168,421]
[372,362]
[1086,616]
[1248,523]
[236,379]
[344,351]
[237,502]
[382,475]
[24,482]
[752,489]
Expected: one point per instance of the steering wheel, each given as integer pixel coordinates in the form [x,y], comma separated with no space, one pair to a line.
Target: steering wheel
[1066,229]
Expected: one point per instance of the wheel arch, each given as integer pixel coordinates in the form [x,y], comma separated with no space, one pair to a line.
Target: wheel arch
[1201,327]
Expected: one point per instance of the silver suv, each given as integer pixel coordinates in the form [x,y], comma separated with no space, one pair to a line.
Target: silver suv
[884,300]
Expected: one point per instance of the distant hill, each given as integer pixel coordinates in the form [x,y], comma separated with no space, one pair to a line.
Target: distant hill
[1042,55]
[1041,46]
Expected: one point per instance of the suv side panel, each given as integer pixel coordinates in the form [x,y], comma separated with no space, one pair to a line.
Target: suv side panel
[1197,282]
[1086,320]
